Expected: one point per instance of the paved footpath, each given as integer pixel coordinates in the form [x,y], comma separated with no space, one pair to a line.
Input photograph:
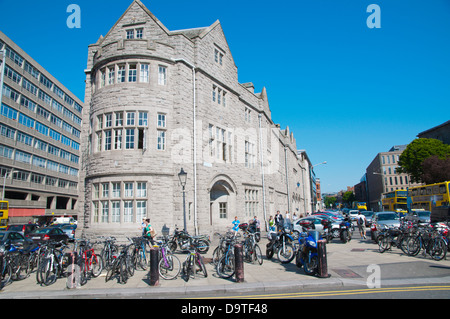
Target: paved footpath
[353,264]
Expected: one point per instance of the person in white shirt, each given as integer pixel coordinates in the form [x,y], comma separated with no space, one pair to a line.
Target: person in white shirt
[361,221]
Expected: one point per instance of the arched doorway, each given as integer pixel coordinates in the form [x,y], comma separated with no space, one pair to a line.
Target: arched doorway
[222,205]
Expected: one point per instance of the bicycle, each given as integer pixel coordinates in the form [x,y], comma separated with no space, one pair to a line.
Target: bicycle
[392,236]
[225,266]
[122,265]
[53,264]
[220,250]
[89,262]
[193,260]
[141,256]
[431,241]
[5,268]
[109,250]
[252,251]
[169,265]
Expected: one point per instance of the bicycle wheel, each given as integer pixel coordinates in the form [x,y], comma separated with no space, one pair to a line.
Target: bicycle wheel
[169,267]
[225,267]
[437,249]
[217,254]
[49,272]
[383,243]
[5,275]
[142,259]
[123,270]
[286,253]
[201,265]
[414,245]
[96,265]
[83,271]
[107,255]
[22,269]
[203,246]
[257,254]
[113,269]
[187,268]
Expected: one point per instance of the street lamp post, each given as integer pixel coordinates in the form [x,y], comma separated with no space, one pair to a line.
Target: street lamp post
[182,175]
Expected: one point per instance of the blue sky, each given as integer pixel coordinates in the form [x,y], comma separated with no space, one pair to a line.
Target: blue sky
[347,91]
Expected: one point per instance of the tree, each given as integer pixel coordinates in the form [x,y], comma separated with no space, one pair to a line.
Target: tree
[329,201]
[436,170]
[348,198]
[412,158]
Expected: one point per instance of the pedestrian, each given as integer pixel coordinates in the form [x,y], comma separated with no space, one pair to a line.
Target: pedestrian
[149,232]
[361,221]
[271,223]
[235,223]
[279,220]
[142,228]
[257,224]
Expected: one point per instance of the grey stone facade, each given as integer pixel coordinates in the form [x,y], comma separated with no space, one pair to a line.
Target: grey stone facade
[190,112]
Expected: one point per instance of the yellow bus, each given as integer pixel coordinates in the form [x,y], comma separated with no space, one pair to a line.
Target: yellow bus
[395,201]
[4,209]
[428,196]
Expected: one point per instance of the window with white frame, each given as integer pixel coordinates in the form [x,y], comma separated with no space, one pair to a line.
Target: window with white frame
[116,189]
[132,73]
[128,186]
[161,120]
[223,210]
[105,190]
[141,189]
[105,211]
[162,75]
[141,209]
[161,143]
[128,211]
[144,73]
[250,156]
[115,211]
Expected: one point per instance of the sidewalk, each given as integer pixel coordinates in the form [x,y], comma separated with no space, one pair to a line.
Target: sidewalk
[347,265]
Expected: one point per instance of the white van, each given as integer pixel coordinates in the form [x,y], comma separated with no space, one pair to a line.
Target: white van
[64,220]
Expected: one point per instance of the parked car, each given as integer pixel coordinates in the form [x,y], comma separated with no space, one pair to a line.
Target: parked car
[382,219]
[48,233]
[353,213]
[15,238]
[422,216]
[24,229]
[70,231]
[317,222]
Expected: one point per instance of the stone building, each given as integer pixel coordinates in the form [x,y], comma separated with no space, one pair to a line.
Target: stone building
[40,126]
[158,101]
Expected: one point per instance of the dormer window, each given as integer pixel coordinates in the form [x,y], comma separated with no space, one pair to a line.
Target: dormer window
[130,34]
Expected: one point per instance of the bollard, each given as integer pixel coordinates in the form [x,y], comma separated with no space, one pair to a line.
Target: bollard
[322,270]
[239,262]
[154,266]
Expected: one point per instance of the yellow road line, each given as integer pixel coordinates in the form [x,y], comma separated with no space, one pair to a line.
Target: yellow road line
[335,293]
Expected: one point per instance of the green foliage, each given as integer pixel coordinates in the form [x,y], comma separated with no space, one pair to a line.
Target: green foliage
[329,201]
[348,198]
[411,160]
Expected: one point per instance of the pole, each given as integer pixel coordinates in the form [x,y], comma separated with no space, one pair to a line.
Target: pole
[154,271]
[323,265]
[184,208]
[239,262]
